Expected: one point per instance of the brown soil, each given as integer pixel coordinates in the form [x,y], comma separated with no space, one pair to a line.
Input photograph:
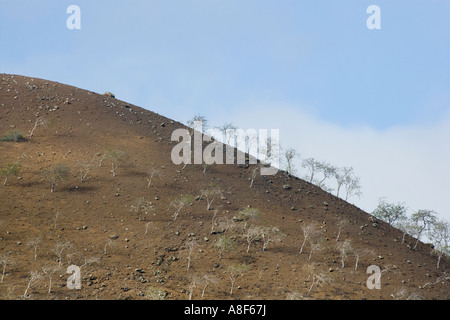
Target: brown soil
[95,215]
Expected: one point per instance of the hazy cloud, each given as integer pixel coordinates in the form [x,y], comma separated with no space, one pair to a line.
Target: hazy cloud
[406,163]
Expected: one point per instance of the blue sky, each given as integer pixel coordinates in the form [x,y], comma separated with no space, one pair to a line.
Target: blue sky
[258,63]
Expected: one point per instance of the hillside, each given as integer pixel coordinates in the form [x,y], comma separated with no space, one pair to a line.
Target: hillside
[125,253]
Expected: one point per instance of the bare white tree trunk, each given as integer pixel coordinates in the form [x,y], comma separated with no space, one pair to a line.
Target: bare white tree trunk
[303,244]
[232,284]
[313,283]
[3,273]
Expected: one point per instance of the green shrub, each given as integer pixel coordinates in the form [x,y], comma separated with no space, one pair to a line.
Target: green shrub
[13,136]
[55,174]
[11,169]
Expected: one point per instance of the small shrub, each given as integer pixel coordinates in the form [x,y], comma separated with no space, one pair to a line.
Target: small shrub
[13,136]
[179,204]
[156,294]
[223,244]
[116,157]
[11,169]
[55,174]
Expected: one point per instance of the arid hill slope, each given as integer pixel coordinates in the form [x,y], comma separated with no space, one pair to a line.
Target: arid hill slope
[125,253]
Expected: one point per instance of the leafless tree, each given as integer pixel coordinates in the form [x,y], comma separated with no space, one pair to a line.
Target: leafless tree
[405,294]
[39,122]
[273,148]
[205,281]
[352,187]
[423,220]
[115,157]
[406,227]
[269,234]
[290,155]
[151,174]
[309,231]
[34,243]
[253,175]
[442,277]
[146,226]
[90,261]
[49,272]
[359,253]
[315,244]
[179,204]
[345,248]
[252,147]
[33,277]
[342,224]
[193,282]
[210,194]
[84,168]
[191,247]
[294,295]
[204,166]
[251,234]
[60,247]
[234,271]
[387,268]
[198,119]
[440,237]
[225,224]
[327,171]
[200,280]
[213,220]
[109,243]
[310,268]
[249,213]
[55,218]
[5,261]
[70,256]
[312,166]
[228,130]
[346,178]
[102,158]
[414,296]
[340,179]
[317,278]
[156,294]
[142,207]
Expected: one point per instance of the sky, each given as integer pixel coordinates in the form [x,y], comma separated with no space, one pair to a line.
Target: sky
[377,100]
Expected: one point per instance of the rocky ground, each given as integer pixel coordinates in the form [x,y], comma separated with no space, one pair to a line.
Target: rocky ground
[135,241]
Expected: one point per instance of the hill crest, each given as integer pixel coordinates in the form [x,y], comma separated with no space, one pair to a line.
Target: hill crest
[131,243]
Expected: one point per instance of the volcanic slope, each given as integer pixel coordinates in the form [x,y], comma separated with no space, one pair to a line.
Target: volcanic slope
[135,241]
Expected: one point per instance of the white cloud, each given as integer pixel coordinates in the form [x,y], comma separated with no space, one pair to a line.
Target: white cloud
[404,164]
